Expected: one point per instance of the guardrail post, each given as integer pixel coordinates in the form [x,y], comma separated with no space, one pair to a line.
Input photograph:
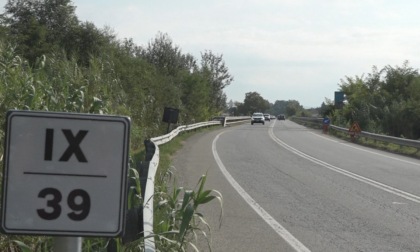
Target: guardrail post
[134,217]
[143,169]
[150,149]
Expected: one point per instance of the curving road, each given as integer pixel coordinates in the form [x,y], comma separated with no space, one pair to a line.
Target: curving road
[289,188]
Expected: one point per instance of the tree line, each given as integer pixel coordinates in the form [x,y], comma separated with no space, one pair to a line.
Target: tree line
[254,102]
[385,101]
[50,60]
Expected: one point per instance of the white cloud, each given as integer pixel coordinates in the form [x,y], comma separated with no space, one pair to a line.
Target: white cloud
[286,49]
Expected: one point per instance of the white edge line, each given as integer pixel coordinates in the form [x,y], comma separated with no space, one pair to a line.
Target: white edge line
[387,188]
[277,227]
[368,151]
[326,138]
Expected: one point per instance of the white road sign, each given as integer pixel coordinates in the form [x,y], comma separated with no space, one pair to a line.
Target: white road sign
[65,174]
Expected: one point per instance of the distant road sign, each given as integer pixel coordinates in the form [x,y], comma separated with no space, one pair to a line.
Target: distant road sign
[339,99]
[65,174]
[355,128]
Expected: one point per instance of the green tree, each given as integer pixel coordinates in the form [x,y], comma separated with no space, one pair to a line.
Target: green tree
[359,102]
[165,56]
[58,17]
[217,74]
[294,108]
[86,41]
[399,82]
[279,107]
[173,66]
[254,102]
[39,26]
[327,108]
[385,101]
[240,108]
[195,98]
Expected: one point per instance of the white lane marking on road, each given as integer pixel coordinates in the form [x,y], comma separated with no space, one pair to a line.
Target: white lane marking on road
[382,155]
[368,151]
[326,138]
[399,203]
[278,228]
[355,176]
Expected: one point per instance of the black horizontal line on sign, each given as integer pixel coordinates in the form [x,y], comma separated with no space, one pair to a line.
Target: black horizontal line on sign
[65,174]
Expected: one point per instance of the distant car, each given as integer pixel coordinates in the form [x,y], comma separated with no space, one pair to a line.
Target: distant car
[267,117]
[257,118]
[281,117]
[272,117]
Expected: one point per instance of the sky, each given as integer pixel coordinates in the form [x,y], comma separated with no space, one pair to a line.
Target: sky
[282,49]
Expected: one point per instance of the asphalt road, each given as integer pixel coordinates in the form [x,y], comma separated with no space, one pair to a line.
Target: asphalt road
[289,188]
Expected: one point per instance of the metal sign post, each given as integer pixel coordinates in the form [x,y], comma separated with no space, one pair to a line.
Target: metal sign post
[65,174]
[325,125]
[67,244]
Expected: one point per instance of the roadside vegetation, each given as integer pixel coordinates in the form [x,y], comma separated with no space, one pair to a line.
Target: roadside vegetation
[386,101]
[51,61]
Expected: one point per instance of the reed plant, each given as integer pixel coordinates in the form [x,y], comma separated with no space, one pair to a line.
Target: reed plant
[181,223]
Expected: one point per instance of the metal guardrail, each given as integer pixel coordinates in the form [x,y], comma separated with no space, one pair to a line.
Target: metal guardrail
[149,242]
[236,119]
[168,137]
[378,137]
[383,138]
